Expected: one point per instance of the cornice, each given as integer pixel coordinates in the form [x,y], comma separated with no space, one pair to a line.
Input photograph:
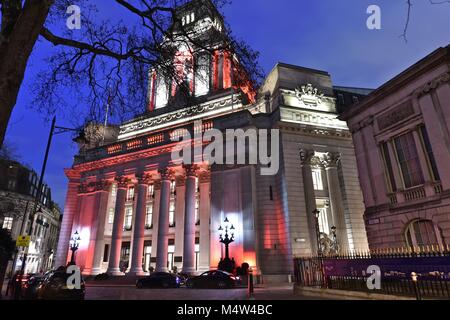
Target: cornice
[187,113]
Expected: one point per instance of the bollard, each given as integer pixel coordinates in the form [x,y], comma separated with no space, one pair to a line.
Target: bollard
[414,278]
[250,284]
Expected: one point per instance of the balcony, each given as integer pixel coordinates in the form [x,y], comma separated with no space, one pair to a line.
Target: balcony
[422,192]
[127,228]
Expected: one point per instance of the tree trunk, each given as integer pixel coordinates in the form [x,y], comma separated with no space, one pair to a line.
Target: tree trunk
[3,267]
[15,51]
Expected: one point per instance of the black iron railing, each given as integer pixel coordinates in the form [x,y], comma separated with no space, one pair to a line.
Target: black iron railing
[419,273]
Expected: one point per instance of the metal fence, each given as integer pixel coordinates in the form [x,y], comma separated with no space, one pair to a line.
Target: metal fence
[414,273]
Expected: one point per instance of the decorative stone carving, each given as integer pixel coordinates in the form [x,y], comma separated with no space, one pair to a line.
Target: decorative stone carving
[396,115]
[331,159]
[122,182]
[309,95]
[191,170]
[101,185]
[181,114]
[166,173]
[306,156]
[435,83]
[144,178]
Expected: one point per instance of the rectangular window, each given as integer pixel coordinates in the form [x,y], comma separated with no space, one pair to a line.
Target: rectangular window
[317,179]
[147,258]
[106,253]
[429,151]
[197,211]
[149,216]
[130,194]
[170,255]
[111,216]
[388,165]
[8,223]
[323,221]
[114,190]
[409,160]
[197,252]
[151,191]
[125,252]
[127,226]
[172,213]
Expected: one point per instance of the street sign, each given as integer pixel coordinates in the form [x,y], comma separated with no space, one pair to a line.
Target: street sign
[23,241]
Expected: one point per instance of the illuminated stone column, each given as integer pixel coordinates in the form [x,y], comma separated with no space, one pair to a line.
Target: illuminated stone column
[163,222]
[189,221]
[337,207]
[139,226]
[310,197]
[97,240]
[119,216]
[70,210]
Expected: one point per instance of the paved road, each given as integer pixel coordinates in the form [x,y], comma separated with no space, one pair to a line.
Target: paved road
[282,292]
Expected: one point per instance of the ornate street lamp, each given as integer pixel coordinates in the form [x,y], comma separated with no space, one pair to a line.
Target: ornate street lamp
[226,237]
[74,244]
[316,214]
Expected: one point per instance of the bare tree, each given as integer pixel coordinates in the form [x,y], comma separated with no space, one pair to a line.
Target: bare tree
[8,151]
[409,4]
[105,61]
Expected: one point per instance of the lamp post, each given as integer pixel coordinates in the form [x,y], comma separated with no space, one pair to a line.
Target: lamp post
[225,230]
[74,244]
[54,130]
[316,214]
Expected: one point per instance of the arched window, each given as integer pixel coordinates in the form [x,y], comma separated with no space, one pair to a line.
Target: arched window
[423,233]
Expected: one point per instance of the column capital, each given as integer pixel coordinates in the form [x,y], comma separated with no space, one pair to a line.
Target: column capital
[331,159]
[144,178]
[306,156]
[122,182]
[102,185]
[166,173]
[191,170]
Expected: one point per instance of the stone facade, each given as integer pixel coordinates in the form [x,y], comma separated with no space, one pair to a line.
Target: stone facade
[401,137]
[18,188]
[137,209]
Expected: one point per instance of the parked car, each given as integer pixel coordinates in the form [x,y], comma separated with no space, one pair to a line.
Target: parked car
[31,287]
[213,279]
[159,280]
[54,287]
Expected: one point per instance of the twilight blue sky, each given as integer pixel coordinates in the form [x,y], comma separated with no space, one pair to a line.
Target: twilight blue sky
[325,34]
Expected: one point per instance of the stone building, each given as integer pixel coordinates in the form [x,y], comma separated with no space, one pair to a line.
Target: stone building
[18,188]
[136,208]
[402,141]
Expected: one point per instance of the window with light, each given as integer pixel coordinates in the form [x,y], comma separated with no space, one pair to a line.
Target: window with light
[128,219]
[149,216]
[8,223]
[317,179]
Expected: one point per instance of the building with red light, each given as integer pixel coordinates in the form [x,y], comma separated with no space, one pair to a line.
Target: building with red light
[135,208]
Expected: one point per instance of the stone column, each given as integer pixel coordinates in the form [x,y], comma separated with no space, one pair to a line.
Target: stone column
[119,216]
[98,238]
[189,221]
[310,197]
[70,210]
[163,222]
[337,207]
[205,217]
[139,226]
